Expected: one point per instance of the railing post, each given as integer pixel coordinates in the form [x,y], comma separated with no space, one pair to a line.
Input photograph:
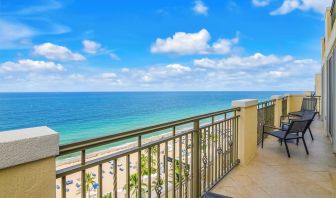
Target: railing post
[277,109]
[27,162]
[247,129]
[294,102]
[196,181]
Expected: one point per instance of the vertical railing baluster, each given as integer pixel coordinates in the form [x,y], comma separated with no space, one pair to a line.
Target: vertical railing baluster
[149,185]
[100,181]
[166,169]
[158,184]
[115,178]
[180,167]
[207,148]
[127,176]
[196,160]
[225,144]
[237,137]
[174,163]
[139,168]
[63,186]
[192,165]
[186,167]
[214,139]
[83,176]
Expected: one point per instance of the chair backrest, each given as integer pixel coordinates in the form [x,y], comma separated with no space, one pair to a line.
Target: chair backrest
[309,104]
[297,126]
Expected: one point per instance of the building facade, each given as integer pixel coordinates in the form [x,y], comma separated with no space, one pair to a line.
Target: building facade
[328,74]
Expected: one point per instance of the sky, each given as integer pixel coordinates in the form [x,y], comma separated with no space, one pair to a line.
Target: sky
[166,45]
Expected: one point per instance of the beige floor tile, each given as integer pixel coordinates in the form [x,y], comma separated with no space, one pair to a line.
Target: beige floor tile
[273,174]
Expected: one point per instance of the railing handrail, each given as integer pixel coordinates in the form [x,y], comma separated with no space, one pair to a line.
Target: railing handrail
[264,104]
[103,140]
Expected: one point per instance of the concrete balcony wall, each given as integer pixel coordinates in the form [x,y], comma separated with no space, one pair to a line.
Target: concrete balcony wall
[27,163]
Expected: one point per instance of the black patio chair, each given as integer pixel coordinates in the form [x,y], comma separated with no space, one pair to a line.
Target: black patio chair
[307,115]
[308,104]
[295,131]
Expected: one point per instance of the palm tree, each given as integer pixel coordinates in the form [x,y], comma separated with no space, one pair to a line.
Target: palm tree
[144,165]
[89,181]
[179,175]
[133,186]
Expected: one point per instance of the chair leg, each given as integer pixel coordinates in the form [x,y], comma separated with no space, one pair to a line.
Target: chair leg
[262,140]
[297,140]
[304,143]
[287,149]
[281,142]
[311,134]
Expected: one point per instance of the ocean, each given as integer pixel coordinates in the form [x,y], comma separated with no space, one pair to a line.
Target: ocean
[78,116]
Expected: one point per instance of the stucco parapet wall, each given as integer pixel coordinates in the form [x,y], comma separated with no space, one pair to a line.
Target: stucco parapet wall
[244,103]
[276,97]
[27,145]
[294,95]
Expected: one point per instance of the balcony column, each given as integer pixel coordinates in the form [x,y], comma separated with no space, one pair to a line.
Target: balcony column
[294,102]
[247,129]
[277,109]
[27,163]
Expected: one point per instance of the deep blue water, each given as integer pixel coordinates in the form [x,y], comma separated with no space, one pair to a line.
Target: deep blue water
[78,116]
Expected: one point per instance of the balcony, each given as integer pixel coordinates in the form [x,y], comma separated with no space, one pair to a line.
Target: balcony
[273,174]
[214,152]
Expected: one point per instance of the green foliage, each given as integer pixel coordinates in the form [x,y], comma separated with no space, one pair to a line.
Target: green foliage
[89,181]
[179,175]
[108,195]
[133,186]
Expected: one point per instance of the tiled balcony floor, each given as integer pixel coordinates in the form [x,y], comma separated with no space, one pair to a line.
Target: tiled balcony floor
[273,174]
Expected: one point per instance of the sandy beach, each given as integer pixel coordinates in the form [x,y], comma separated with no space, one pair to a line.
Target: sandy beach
[73,186]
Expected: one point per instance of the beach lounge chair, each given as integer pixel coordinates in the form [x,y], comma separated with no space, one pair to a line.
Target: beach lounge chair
[296,130]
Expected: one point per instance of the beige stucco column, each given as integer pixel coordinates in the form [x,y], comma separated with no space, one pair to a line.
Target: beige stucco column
[294,102]
[277,109]
[27,163]
[247,129]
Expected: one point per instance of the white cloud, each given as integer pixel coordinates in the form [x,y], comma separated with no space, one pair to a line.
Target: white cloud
[255,60]
[108,75]
[57,52]
[14,34]
[91,47]
[30,66]
[125,70]
[303,5]
[78,77]
[260,3]
[114,56]
[200,8]
[46,6]
[182,43]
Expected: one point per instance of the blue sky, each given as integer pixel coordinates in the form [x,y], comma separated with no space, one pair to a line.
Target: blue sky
[162,45]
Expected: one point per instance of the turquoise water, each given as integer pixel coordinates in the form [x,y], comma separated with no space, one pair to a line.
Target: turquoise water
[78,116]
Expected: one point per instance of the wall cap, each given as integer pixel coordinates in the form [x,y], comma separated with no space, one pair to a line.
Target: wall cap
[288,95]
[27,145]
[244,103]
[276,97]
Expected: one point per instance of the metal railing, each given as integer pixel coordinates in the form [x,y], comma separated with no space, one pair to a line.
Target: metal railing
[284,105]
[183,158]
[265,116]
[313,102]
